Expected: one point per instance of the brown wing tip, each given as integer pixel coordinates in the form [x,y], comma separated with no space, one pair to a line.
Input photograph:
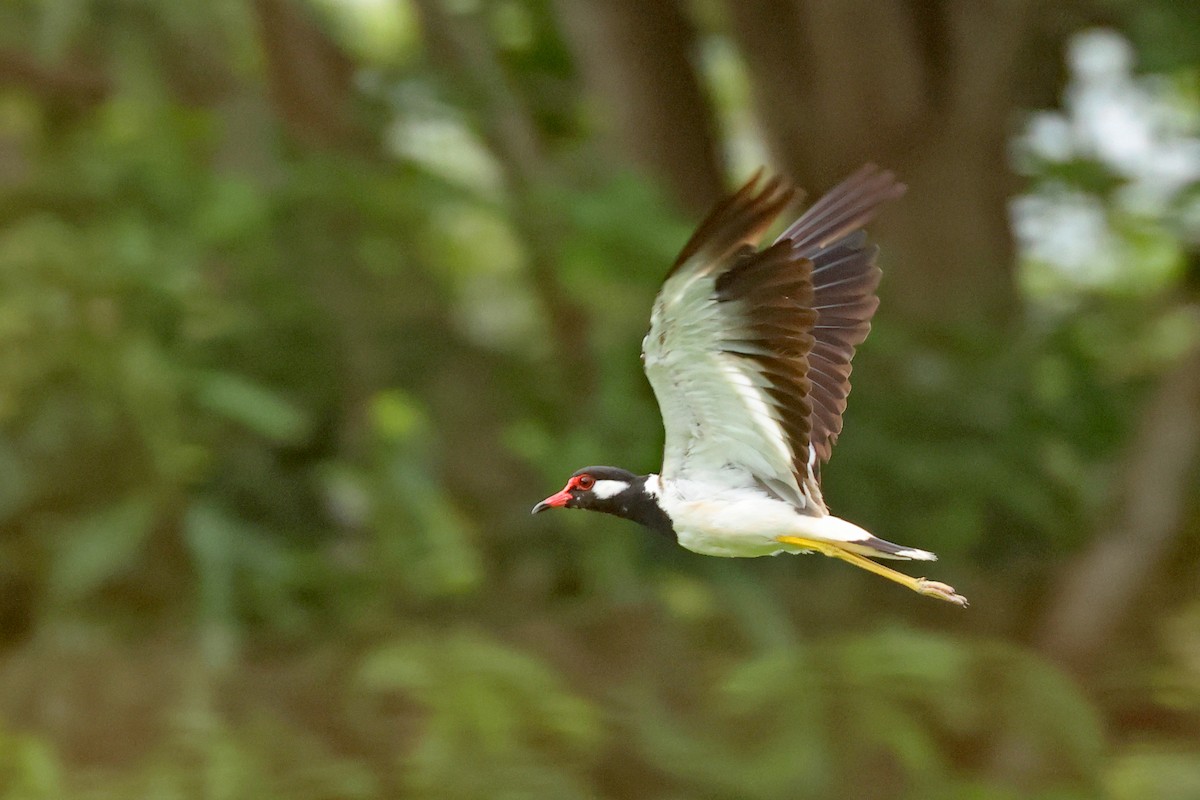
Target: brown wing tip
[740,219]
[845,208]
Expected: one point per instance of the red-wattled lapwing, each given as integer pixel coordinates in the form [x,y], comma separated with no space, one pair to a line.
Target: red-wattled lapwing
[749,356]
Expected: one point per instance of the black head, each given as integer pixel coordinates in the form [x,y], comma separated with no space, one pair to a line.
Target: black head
[611,490]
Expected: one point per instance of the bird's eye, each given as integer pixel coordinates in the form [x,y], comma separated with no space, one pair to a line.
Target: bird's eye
[585,482]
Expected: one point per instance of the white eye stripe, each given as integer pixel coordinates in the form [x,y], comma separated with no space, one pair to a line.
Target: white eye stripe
[606,489]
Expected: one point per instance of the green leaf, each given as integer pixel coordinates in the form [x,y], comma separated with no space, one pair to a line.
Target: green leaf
[401,666]
[1164,775]
[257,408]
[211,535]
[91,550]
[14,487]
[29,769]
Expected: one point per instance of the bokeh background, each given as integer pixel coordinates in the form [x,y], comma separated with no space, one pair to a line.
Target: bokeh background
[303,304]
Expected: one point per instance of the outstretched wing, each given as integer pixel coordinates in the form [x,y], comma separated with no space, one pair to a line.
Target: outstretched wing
[844,282]
[734,332]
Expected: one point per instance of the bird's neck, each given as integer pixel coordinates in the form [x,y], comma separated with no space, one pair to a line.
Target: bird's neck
[641,505]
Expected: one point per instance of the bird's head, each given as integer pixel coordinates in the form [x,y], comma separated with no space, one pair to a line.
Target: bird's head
[607,489]
[614,491]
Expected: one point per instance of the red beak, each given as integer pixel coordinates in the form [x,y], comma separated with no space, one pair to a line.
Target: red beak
[553,501]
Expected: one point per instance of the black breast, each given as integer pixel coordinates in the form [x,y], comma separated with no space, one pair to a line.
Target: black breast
[645,510]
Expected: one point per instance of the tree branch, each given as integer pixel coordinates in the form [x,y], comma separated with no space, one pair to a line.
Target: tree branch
[310,78]
[1152,494]
[74,86]
[772,44]
[463,49]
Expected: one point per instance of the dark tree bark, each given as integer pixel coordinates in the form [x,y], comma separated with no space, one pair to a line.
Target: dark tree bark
[933,99]
[309,77]
[637,60]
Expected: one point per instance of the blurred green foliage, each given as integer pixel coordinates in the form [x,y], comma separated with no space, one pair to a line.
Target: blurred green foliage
[273,410]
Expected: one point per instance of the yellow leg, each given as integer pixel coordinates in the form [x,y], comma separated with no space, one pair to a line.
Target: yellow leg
[919,585]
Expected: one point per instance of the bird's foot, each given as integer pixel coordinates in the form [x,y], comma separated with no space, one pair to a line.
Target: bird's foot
[941,591]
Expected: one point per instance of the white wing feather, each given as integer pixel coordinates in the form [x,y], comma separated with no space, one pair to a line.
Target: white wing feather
[719,423]
[749,351]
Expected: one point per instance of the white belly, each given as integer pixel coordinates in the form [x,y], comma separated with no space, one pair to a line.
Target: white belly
[745,523]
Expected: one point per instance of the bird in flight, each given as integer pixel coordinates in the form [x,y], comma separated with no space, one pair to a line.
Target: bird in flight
[749,356]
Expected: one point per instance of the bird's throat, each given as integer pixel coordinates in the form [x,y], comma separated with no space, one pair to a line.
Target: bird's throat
[642,507]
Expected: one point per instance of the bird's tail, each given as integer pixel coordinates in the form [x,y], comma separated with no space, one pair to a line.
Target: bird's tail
[853,538]
[874,547]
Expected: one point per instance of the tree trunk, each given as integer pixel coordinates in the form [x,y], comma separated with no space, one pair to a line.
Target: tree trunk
[310,78]
[934,101]
[637,58]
